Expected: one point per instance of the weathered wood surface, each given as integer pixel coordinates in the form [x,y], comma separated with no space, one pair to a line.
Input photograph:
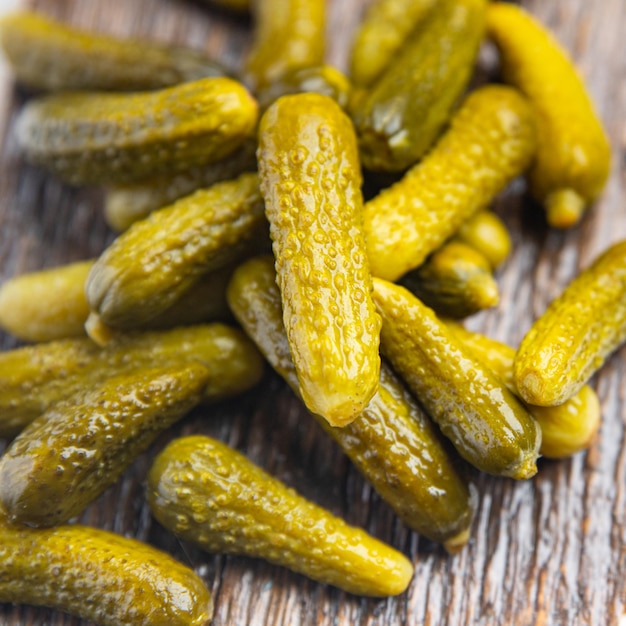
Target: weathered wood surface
[548,551]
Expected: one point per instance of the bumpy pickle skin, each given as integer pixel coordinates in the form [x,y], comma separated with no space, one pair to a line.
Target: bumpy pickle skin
[106,138]
[149,267]
[50,56]
[288,35]
[580,328]
[205,492]
[34,378]
[566,428]
[386,26]
[485,422]
[72,453]
[393,443]
[455,281]
[46,305]
[399,119]
[310,180]
[98,575]
[573,155]
[491,140]
[488,234]
[127,204]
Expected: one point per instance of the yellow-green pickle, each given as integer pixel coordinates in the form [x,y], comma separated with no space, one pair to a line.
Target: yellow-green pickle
[100,576]
[571,340]
[310,181]
[392,443]
[108,138]
[491,140]
[486,233]
[45,54]
[400,117]
[487,424]
[69,455]
[205,492]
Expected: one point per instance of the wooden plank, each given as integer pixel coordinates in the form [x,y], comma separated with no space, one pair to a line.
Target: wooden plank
[550,551]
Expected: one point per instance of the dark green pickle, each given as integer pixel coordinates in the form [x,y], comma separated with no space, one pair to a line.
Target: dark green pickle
[392,443]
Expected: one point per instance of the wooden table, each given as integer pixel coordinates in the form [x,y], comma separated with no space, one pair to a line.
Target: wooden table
[547,551]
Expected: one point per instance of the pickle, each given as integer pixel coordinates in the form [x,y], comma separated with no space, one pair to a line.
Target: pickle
[34,378]
[401,116]
[100,576]
[566,428]
[486,423]
[105,138]
[392,443]
[72,453]
[51,56]
[580,328]
[491,140]
[310,180]
[207,493]
[289,35]
[127,204]
[486,233]
[156,261]
[573,154]
[383,31]
[455,281]
[46,305]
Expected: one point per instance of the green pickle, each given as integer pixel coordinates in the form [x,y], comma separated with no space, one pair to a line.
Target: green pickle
[107,138]
[403,113]
[580,328]
[311,183]
[98,575]
[486,423]
[149,267]
[491,140]
[486,233]
[34,378]
[72,453]
[392,443]
[455,281]
[47,55]
[205,492]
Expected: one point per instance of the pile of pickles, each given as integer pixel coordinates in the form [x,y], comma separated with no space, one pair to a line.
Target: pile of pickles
[244,238]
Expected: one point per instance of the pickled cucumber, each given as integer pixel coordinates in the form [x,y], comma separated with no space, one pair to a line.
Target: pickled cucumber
[47,55]
[571,340]
[573,154]
[392,443]
[491,140]
[310,180]
[486,423]
[401,116]
[100,576]
[207,493]
[105,138]
[486,233]
[72,453]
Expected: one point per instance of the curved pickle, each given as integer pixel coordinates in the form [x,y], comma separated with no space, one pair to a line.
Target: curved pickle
[207,493]
[310,180]
[100,576]
[45,54]
[486,233]
[392,443]
[399,119]
[487,424]
[72,453]
[34,378]
[106,138]
[573,156]
[566,428]
[580,328]
[491,141]
[156,261]
[455,281]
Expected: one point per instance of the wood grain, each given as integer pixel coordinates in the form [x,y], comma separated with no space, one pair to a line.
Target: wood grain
[551,551]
